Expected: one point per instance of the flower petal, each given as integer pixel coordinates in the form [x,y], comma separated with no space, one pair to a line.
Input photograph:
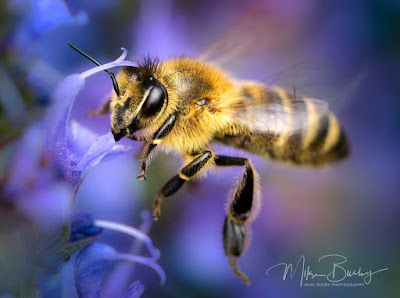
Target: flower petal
[56,122]
[82,226]
[48,207]
[90,267]
[135,290]
[117,151]
[51,13]
[100,147]
[25,160]
[80,138]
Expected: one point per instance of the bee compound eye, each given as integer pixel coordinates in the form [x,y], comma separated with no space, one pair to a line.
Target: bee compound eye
[154,102]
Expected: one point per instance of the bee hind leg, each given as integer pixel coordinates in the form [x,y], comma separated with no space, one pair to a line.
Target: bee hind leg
[239,211]
[176,182]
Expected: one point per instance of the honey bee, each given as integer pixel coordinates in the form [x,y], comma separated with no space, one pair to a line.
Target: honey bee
[186,104]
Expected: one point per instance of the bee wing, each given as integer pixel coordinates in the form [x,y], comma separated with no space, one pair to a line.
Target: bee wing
[279,117]
[244,39]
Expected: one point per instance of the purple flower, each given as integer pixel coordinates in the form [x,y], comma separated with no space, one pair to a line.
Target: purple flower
[93,264]
[41,17]
[73,147]
[31,255]
[33,187]
[39,24]
[37,233]
[37,197]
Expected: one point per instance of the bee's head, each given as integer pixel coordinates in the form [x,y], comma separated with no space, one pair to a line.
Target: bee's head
[140,99]
[141,102]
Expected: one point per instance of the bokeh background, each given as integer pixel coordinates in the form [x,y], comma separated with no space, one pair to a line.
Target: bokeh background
[344,52]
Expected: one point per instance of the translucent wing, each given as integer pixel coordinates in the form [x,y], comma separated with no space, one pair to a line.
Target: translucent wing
[268,53]
[244,39]
[279,116]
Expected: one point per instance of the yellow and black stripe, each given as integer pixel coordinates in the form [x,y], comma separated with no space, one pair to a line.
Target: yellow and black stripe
[319,141]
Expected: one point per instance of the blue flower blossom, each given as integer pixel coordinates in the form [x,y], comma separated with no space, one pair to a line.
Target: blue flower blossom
[94,261]
[31,255]
[34,187]
[38,195]
[38,25]
[73,147]
[52,13]
[40,17]
[37,233]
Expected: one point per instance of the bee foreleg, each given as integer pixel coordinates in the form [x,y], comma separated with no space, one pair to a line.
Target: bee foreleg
[148,152]
[103,110]
[136,138]
[173,185]
[160,134]
[240,209]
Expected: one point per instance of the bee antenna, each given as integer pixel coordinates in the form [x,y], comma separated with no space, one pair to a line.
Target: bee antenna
[114,80]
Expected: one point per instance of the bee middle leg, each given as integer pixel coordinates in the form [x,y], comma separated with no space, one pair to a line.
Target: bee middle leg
[239,212]
[176,182]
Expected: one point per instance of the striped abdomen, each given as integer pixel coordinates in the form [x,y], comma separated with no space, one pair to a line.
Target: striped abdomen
[313,138]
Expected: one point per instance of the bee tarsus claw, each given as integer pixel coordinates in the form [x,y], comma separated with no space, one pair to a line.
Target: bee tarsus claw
[156,212]
[156,217]
[141,177]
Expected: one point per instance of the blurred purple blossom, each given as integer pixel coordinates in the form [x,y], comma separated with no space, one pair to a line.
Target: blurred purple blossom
[31,255]
[38,25]
[52,13]
[74,148]
[37,194]
[34,187]
[40,17]
[93,264]
[36,208]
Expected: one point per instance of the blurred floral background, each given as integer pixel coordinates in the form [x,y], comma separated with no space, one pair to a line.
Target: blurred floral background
[68,190]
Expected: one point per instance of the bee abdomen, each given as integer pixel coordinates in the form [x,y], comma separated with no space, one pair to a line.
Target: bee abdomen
[317,141]
[322,143]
